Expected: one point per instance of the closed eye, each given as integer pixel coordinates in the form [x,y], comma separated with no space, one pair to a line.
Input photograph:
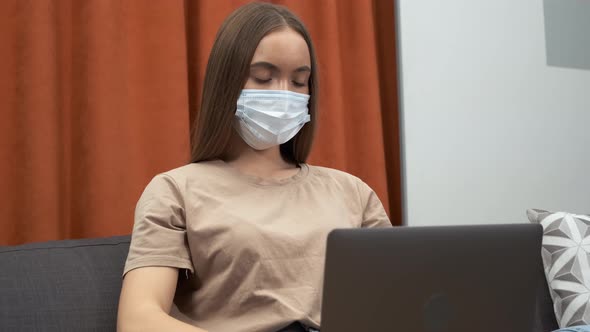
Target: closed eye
[261,81]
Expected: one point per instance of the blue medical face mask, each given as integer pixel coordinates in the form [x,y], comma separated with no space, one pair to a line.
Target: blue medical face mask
[266,118]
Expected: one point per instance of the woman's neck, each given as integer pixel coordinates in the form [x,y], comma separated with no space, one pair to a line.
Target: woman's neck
[264,163]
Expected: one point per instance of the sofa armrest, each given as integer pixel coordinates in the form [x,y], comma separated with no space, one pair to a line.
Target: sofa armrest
[544,314]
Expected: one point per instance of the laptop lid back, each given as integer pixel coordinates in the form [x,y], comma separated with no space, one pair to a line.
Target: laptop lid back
[432,279]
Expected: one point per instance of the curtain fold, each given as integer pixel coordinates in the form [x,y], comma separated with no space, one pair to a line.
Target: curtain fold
[97,97]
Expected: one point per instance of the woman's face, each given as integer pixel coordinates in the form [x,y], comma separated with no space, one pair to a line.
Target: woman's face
[281,62]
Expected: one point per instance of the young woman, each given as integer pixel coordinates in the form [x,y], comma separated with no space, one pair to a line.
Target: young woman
[235,241]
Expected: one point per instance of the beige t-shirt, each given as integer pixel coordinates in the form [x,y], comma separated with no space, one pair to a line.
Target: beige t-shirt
[255,246]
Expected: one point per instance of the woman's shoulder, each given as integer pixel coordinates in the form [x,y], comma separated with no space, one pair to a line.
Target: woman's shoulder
[346,182]
[333,174]
[187,173]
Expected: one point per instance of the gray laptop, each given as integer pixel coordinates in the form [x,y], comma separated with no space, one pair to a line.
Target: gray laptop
[432,279]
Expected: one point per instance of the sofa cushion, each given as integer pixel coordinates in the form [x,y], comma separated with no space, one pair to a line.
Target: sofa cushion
[566,260]
[71,285]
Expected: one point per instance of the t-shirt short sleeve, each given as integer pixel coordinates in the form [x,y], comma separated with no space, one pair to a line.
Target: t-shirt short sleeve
[159,231]
[374,214]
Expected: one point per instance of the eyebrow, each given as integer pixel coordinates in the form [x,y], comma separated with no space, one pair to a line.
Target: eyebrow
[302,69]
[270,66]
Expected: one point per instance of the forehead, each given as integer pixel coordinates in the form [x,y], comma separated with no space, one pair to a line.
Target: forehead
[284,47]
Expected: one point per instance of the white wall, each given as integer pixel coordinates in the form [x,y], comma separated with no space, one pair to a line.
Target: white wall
[488,129]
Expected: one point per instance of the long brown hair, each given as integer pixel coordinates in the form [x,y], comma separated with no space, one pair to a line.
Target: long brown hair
[227,70]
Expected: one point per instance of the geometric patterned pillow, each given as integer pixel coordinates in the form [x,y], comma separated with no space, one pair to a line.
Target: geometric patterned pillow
[580,328]
[566,260]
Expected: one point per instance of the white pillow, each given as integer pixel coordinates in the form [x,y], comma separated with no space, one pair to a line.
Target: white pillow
[566,259]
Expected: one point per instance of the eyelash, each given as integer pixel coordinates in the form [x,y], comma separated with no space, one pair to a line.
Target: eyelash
[261,81]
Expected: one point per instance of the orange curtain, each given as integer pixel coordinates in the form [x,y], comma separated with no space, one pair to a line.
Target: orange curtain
[97,95]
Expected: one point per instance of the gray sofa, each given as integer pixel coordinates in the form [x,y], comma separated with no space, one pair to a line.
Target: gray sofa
[74,285]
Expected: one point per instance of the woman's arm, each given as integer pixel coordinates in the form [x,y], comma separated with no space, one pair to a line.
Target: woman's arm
[146,299]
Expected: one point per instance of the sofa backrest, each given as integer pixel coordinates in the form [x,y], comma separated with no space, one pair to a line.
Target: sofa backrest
[70,285]
[74,285]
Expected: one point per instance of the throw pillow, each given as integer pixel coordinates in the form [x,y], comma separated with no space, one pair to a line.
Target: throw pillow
[566,260]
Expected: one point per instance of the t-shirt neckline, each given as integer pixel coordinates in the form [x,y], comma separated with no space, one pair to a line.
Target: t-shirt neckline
[261,181]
